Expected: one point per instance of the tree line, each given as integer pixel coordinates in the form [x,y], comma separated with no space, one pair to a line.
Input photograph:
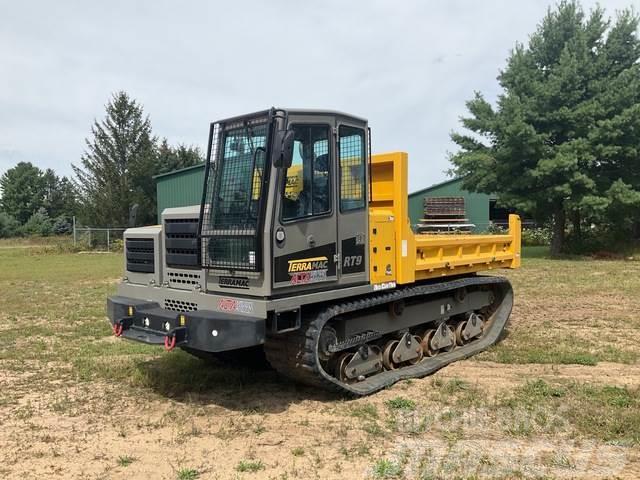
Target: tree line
[35,201]
[114,175]
[562,142]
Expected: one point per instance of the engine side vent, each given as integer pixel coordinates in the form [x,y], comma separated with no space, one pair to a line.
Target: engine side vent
[140,253]
[183,279]
[181,242]
[179,305]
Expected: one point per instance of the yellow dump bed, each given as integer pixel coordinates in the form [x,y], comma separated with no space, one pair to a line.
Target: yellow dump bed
[398,255]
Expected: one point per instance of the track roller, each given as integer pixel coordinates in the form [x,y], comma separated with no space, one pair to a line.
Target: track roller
[427,336]
[419,351]
[459,328]
[341,366]
[441,339]
[387,355]
[357,366]
[468,329]
[406,351]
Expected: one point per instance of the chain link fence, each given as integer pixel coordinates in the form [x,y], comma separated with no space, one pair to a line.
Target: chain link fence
[107,239]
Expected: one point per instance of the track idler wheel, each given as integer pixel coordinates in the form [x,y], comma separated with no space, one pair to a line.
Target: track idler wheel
[328,338]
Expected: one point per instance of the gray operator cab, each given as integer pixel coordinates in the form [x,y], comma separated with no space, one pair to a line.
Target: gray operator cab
[261,219]
[283,223]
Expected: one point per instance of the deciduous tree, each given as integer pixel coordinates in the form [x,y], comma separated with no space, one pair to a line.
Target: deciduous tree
[22,191]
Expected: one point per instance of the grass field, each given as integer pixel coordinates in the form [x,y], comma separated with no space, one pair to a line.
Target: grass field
[558,398]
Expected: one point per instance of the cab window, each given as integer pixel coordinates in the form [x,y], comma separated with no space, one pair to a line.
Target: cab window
[352,168]
[307,190]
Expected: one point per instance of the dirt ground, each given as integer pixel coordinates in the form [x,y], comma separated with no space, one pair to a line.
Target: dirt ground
[558,399]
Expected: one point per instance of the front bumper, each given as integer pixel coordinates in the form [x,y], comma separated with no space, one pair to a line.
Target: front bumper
[209,331]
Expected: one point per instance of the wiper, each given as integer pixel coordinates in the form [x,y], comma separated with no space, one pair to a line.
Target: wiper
[249,133]
[254,150]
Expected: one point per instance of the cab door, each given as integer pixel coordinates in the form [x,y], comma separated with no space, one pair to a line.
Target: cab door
[352,212]
[304,244]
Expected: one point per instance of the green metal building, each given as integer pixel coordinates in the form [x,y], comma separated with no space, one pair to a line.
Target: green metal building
[179,188]
[480,207]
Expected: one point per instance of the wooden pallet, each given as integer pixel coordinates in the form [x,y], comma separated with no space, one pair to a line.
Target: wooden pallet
[444,215]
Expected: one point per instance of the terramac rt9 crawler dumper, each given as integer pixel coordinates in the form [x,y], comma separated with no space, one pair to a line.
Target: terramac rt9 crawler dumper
[302,249]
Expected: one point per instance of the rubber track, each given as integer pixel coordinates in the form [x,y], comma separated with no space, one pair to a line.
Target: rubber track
[295,354]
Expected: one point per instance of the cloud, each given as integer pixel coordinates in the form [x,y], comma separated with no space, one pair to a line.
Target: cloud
[406,66]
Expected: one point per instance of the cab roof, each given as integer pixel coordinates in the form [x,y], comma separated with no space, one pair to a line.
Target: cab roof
[295,111]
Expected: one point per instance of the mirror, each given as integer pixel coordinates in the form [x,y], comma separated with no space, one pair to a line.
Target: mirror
[283,148]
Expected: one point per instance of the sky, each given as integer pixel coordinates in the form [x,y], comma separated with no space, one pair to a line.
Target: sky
[406,66]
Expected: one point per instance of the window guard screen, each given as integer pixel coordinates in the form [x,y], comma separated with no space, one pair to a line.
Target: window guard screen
[352,168]
[234,195]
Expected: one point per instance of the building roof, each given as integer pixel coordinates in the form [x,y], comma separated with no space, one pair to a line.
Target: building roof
[174,172]
[436,185]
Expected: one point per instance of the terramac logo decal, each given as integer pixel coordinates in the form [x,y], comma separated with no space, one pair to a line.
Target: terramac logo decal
[312,265]
[235,306]
[233,282]
[308,270]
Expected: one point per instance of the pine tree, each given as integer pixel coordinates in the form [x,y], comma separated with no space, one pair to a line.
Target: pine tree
[117,167]
[174,158]
[59,196]
[38,224]
[9,226]
[563,140]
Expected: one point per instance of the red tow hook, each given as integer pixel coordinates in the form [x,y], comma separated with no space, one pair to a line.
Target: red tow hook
[117,329]
[169,342]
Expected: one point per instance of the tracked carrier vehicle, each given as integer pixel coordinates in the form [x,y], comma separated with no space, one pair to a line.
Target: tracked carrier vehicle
[302,250]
